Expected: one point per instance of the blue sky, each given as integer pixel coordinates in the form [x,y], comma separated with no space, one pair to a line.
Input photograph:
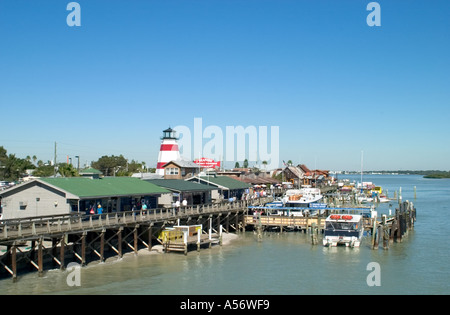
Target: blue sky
[333,85]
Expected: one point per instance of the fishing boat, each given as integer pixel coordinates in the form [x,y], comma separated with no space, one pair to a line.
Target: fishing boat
[343,229]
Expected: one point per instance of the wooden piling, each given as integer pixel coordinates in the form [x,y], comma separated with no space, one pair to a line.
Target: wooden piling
[62,253]
[385,230]
[374,232]
[135,233]
[83,249]
[314,234]
[102,246]
[150,237]
[40,256]
[119,242]
[199,234]
[376,237]
[14,262]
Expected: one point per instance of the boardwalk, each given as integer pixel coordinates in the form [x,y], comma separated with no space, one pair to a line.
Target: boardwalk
[82,237]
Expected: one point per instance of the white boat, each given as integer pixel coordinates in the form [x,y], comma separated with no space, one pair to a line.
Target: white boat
[364,199]
[383,199]
[296,201]
[343,229]
[302,197]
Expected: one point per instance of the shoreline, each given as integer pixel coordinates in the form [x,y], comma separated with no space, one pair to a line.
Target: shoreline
[158,249]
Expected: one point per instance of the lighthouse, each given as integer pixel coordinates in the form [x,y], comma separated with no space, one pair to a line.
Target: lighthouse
[168,151]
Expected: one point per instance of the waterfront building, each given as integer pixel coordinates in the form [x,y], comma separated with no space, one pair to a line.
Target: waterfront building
[180,169]
[227,187]
[55,196]
[194,193]
[301,175]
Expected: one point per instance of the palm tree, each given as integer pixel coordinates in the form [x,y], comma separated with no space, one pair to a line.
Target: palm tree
[265,164]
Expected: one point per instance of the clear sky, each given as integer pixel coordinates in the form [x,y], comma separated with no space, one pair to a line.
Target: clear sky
[333,85]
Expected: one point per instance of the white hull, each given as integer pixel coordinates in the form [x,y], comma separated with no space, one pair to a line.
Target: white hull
[343,230]
[334,241]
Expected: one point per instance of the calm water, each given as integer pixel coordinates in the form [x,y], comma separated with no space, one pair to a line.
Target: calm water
[282,263]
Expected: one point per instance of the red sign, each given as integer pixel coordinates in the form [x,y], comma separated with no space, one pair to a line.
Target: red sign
[207,163]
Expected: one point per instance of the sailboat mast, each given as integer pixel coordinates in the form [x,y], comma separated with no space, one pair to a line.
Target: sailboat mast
[362,159]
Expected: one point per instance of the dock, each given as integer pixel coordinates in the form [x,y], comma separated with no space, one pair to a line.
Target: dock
[180,242]
[292,222]
[383,230]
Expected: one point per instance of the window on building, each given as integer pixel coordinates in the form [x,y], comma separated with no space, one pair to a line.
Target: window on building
[172,171]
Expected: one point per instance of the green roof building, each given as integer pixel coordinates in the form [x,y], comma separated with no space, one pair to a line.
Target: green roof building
[52,196]
[193,192]
[227,186]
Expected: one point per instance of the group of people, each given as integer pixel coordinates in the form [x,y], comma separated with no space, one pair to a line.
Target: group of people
[94,210]
[177,204]
[98,209]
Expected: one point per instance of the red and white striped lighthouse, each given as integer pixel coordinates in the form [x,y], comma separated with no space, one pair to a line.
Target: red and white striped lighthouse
[168,151]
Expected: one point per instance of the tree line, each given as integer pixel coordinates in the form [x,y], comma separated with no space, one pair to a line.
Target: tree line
[12,168]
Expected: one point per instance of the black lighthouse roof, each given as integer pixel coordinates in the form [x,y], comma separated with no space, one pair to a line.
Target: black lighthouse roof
[169,133]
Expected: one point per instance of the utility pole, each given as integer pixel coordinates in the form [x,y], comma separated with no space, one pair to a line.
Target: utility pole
[54,166]
[78,163]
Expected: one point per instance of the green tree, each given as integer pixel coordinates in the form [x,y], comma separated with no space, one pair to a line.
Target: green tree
[12,167]
[245,164]
[67,170]
[236,165]
[135,167]
[111,165]
[44,170]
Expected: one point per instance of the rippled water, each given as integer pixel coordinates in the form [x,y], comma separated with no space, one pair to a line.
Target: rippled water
[284,263]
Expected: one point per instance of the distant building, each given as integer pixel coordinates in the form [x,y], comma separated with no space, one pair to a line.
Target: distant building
[180,169]
[91,172]
[301,175]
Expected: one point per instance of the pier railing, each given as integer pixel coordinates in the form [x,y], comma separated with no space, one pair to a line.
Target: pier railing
[31,227]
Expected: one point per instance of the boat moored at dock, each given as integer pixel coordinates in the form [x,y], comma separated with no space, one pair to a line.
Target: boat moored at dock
[343,229]
[302,197]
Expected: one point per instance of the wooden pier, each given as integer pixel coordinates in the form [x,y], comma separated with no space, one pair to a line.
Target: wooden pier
[293,222]
[180,242]
[284,222]
[37,243]
[384,230]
